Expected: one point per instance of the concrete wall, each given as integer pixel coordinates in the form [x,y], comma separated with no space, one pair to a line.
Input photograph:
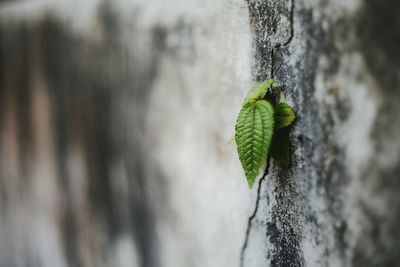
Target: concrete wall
[115,117]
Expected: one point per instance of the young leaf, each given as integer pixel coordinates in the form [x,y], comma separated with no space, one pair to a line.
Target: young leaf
[284,115]
[254,128]
[280,148]
[259,90]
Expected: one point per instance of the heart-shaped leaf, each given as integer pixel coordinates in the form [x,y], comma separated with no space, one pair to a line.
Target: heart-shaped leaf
[254,129]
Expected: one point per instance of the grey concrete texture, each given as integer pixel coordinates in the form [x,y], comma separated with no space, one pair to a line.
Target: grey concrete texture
[115,117]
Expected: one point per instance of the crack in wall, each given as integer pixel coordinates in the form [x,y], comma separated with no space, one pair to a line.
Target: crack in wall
[287,42]
[266,171]
[254,213]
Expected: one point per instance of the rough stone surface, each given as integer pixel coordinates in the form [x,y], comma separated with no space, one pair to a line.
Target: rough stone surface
[115,117]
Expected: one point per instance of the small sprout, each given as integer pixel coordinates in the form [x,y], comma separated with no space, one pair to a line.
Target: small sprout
[259,129]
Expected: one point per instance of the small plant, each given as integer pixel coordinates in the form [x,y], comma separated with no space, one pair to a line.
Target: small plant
[261,128]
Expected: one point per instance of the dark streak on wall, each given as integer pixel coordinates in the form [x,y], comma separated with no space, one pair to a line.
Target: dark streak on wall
[86,82]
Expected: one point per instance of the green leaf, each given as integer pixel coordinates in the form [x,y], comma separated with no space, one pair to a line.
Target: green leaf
[259,90]
[280,148]
[284,115]
[254,128]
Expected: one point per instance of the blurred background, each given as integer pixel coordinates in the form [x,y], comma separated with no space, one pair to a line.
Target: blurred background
[115,117]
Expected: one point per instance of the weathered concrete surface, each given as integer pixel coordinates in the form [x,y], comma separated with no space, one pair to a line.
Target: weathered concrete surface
[338,204]
[115,117]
